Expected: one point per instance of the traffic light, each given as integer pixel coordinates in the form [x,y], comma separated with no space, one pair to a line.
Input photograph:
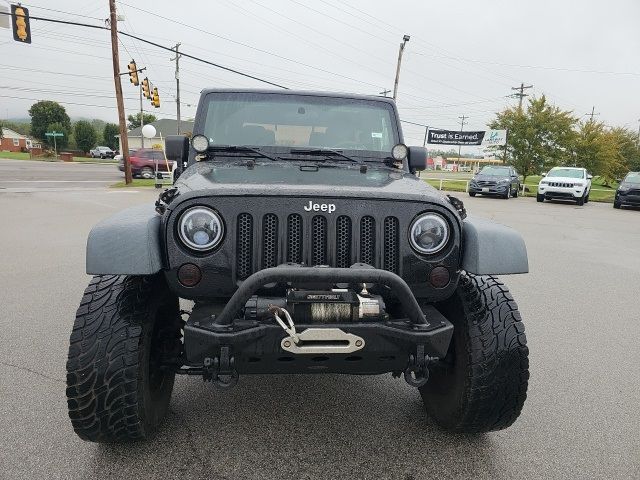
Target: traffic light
[133,73]
[20,24]
[155,101]
[146,91]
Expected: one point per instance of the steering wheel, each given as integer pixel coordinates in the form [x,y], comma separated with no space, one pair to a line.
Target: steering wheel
[349,143]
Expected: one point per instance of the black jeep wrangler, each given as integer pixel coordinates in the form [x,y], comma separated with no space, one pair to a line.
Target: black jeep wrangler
[300,241]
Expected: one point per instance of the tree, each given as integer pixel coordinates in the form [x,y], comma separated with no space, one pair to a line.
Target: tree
[109,135]
[85,135]
[60,142]
[45,113]
[629,149]
[134,120]
[540,137]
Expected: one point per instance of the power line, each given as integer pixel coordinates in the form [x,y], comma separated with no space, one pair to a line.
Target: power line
[249,46]
[592,114]
[193,57]
[520,95]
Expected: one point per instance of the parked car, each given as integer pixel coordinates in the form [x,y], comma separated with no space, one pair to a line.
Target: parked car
[628,192]
[143,162]
[565,183]
[102,152]
[502,181]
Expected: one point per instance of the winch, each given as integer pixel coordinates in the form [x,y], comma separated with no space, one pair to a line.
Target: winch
[320,306]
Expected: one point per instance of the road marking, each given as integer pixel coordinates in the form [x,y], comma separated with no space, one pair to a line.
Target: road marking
[55,181]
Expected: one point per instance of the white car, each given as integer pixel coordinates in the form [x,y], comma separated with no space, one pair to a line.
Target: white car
[565,183]
[102,152]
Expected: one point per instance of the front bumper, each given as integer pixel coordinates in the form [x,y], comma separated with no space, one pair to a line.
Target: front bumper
[499,189]
[629,199]
[256,346]
[550,193]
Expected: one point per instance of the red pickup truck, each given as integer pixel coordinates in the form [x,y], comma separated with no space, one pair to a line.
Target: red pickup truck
[143,162]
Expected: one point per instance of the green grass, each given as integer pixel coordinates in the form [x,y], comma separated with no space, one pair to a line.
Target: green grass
[599,192]
[137,182]
[15,155]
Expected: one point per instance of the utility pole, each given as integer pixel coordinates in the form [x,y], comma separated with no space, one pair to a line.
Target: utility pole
[462,122]
[141,118]
[521,94]
[405,39]
[177,59]
[592,114]
[638,132]
[116,78]
[385,92]
[426,132]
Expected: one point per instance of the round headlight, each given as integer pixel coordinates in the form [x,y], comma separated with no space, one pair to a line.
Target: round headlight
[200,143]
[200,229]
[399,151]
[429,233]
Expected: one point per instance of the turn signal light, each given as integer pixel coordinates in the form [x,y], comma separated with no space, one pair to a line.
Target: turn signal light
[189,275]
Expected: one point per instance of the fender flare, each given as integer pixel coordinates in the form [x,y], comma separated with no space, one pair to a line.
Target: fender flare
[492,249]
[126,243]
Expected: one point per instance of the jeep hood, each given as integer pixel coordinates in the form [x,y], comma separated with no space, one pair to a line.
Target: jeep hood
[304,179]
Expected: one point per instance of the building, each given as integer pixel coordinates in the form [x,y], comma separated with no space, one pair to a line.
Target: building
[12,141]
[164,127]
[470,164]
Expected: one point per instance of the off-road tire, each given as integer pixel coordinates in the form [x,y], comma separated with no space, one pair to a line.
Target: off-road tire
[586,199]
[515,193]
[481,384]
[617,204]
[472,194]
[540,198]
[115,389]
[580,201]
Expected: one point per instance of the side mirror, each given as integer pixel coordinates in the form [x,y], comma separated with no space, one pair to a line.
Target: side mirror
[544,174]
[417,158]
[589,176]
[176,148]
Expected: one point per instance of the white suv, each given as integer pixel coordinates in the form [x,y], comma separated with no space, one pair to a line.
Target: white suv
[565,183]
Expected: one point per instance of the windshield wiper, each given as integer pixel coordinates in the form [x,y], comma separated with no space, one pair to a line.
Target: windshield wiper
[327,152]
[241,149]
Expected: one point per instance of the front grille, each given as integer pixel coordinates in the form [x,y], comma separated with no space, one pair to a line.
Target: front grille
[244,246]
[391,244]
[367,240]
[487,183]
[561,184]
[294,239]
[343,242]
[269,240]
[319,236]
[316,240]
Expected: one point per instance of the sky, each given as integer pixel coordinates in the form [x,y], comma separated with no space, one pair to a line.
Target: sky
[463,57]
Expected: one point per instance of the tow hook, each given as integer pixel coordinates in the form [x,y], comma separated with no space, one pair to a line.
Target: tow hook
[220,371]
[417,372]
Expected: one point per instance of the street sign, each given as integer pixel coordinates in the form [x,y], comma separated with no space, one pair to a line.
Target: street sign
[55,144]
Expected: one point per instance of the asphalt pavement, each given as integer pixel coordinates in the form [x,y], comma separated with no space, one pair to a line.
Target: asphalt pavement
[31,175]
[579,304]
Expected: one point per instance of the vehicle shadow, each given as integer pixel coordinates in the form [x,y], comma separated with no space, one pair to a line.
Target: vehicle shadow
[296,426]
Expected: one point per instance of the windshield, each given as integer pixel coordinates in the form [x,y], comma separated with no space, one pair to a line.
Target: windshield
[273,120]
[566,172]
[500,171]
[632,177]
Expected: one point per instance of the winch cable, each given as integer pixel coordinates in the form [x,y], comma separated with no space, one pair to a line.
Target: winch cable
[291,328]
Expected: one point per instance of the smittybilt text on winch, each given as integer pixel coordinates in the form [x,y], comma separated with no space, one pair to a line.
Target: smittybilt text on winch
[300,232]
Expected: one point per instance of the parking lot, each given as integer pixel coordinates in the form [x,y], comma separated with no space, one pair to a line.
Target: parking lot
[579,303]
